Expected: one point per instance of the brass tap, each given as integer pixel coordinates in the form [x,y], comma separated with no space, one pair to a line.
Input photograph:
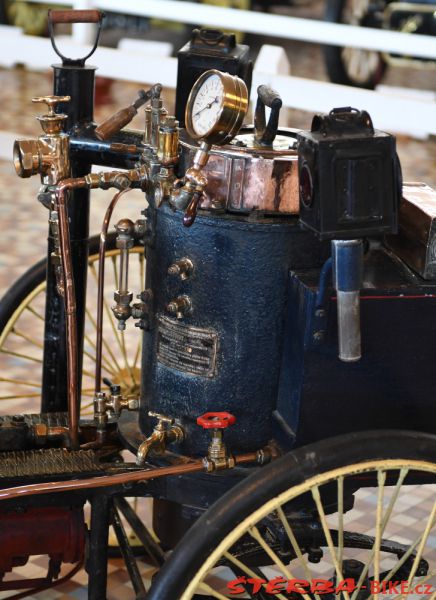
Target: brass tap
[164,433]
[114,404]
[49,154]
[218,457]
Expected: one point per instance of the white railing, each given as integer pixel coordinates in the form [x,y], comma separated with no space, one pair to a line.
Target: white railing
[400,113]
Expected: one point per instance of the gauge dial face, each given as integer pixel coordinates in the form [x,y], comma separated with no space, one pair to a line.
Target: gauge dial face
[207,105]
[216,107]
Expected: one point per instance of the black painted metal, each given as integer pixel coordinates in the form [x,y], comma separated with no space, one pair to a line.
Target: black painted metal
[238,292]
[77,82]
[96,565]
[128,556]
[391,386]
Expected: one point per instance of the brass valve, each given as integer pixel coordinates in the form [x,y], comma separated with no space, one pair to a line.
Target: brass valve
[165,432]
[183,268]
[217,454]
[180,306]
[52,122]
[49,154]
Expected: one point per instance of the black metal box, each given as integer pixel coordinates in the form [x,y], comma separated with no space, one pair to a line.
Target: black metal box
[349,177]
[209,49]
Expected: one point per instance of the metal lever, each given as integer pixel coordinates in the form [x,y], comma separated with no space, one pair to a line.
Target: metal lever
[264,133]
[121,118]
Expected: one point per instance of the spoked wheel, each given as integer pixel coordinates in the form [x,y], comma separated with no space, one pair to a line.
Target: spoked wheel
[354,66]
[22,334]
[351,517]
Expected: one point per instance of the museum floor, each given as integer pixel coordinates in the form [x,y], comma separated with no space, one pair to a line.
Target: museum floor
[23,224]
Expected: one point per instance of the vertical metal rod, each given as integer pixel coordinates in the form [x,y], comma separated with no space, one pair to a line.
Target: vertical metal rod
[154,551]
[347,280]
[96,566]
[129,559]
[77,82]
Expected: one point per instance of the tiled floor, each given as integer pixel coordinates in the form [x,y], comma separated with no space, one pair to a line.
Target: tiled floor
[23,231]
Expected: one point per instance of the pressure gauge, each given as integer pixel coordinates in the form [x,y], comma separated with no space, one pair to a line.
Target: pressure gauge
[216,107]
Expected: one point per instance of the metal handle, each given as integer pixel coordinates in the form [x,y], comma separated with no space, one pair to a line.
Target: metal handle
[266,133]
[121,118]
[216,420]
[51,102]
[192,209]
[74,16]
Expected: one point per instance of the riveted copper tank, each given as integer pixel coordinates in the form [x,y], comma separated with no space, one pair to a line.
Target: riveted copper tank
[244,177]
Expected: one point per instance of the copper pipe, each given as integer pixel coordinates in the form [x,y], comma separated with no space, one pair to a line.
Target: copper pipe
[70,306]
[100,287]
[53,487]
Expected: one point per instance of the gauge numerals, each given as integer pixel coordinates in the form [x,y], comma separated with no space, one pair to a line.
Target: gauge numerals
[216,107]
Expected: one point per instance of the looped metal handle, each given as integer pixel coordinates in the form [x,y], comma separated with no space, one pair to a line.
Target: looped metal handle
[74,16]
[266,133]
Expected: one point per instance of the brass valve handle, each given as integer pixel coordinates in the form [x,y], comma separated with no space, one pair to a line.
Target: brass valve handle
[216,420]
[162,419]
[51,102]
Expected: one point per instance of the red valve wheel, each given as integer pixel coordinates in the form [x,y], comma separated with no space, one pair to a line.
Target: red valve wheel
[216,420]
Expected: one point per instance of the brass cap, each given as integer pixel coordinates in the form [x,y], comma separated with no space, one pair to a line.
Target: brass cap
[26,157]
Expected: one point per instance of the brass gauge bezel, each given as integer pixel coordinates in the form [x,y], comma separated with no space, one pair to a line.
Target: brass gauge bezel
[234,106]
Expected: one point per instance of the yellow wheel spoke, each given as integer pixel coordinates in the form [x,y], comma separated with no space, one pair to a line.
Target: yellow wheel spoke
[21,382]
[17,396]
[328,536]
[386,517]
[137,354]
[295,545]
[27,338]
[243,567]
[21,355]
[105,343]
[35,313]
[381,479]
[126,360]
[255,533]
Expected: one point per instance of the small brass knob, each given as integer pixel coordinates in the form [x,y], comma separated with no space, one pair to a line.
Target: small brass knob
[51,102]
[52,122]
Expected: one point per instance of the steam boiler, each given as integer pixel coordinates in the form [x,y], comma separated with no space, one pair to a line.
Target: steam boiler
[288,298]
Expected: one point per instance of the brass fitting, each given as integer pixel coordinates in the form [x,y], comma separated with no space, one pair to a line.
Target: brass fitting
[120,180]
[183,268]
[218,457]
[164,433]
[180,306]
[49,154]
[168,150]
[114,404]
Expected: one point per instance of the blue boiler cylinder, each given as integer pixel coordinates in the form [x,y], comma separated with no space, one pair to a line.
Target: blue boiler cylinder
[221,351]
